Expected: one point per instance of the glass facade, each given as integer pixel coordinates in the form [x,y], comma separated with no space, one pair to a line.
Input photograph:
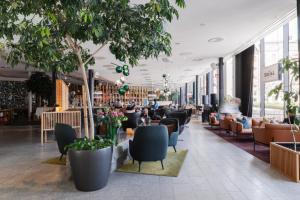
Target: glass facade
[229,77]
[256,81]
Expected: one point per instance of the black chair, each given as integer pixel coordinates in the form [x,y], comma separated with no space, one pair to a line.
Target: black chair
[189,113]
[173,130]
[181,116]
[132,122]
[64,135]
[150,143]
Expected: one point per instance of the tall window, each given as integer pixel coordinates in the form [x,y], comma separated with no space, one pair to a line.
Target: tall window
[293,49]
[256,81]
[273,55]
[229,79]
[215,81]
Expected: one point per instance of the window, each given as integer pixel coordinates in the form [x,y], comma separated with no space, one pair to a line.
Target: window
[273,55]
[256,81]
[229,77]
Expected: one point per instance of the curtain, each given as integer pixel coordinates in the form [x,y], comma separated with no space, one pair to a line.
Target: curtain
[244,64]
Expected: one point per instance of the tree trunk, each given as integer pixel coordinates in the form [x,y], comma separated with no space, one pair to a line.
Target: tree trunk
[91,119]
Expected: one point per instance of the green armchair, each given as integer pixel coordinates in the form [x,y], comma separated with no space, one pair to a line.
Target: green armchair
[173,130]
[150,143]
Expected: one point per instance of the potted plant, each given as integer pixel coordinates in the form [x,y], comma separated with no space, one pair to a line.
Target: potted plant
[90,162]
[113,121]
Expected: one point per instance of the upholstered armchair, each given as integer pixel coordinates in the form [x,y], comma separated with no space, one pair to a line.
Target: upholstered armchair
[150,143]
[238,129]
[64,135]
[225,123]
[133,119]
[181,116]
[173,130]
[213,121]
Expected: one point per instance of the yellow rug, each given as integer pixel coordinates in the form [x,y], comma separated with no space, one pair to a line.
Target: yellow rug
[172,165]
[56,161]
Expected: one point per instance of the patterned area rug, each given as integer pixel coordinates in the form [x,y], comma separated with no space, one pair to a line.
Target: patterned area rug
[172,165]
[262,152]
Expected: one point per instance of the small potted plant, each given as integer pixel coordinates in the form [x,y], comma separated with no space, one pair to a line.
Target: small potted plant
[90,162]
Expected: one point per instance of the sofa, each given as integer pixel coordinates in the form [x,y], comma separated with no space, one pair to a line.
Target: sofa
[238,129]
[273,133]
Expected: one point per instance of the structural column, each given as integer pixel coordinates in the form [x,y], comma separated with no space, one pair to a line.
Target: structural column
[91,84]
[29,101]
[53,96]
[180,97]
[197,90]
[221,81]
[208,86]
[194,92]
[186,94]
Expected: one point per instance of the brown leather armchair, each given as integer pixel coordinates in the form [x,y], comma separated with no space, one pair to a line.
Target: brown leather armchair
[273,133]
[238,129]
[225,123]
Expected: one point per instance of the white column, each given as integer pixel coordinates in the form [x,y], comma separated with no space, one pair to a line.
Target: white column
[262,83]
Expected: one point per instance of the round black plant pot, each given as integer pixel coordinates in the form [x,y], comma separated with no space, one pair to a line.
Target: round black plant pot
[90,169]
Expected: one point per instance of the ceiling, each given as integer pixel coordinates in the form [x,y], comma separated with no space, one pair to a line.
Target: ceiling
[236,21]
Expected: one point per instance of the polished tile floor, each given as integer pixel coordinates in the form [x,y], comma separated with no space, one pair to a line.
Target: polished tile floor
[213,169]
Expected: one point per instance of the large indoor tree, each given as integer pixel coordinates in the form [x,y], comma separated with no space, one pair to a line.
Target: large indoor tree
[56,35]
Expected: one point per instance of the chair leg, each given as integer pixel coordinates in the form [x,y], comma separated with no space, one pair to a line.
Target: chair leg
[162,164]
[140,162]
[254,145]
[61,156]
[174,148]
[133,161]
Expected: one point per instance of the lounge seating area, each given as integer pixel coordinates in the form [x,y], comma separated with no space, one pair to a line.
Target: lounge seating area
[150,100]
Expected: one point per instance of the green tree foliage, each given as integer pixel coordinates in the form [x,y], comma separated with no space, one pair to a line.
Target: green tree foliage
[57,34]
[40,84]
[45,32]
[289,97]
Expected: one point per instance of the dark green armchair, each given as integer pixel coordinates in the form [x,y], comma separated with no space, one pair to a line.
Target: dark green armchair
[173,130]
[150,143]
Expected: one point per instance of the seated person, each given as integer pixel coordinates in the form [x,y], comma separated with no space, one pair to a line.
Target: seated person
[130,108]
[118,104]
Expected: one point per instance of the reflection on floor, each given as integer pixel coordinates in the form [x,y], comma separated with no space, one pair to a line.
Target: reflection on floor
[213,169]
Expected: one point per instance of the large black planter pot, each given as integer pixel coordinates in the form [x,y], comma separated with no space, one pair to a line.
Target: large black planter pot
[90,169]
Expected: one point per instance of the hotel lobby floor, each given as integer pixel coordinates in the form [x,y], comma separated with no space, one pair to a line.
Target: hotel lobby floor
[213,169]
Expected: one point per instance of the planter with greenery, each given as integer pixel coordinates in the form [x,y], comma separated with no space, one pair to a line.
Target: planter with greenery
[90,163]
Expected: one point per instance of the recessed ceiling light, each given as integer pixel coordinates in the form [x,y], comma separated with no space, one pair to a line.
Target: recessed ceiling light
[188,70]
[177,43]
[202,24]
[167,60]
[197,59]
[108,66]
[185,53]
[142,65]
[144,70]
[216,39]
